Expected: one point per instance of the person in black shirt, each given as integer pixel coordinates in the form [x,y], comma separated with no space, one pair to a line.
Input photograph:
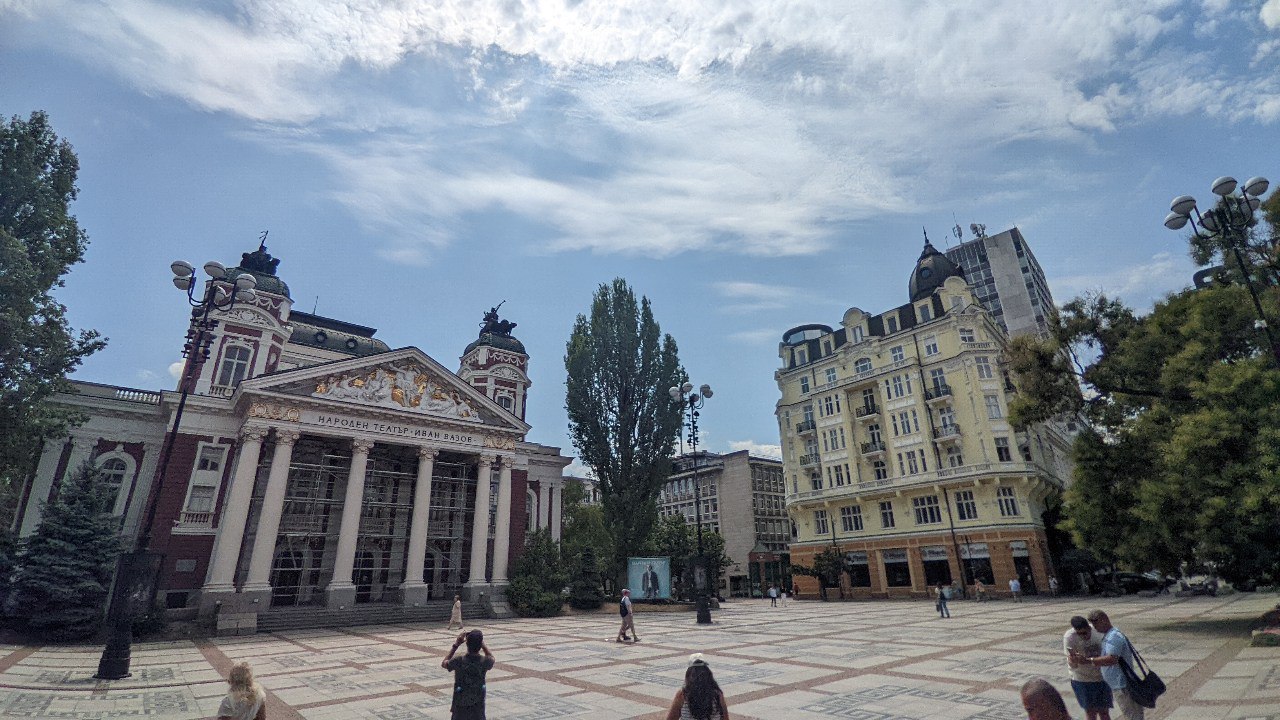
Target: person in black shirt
[469,671]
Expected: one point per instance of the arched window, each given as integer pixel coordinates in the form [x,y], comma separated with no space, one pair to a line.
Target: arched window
[530,506]
[113,473]
[235,365]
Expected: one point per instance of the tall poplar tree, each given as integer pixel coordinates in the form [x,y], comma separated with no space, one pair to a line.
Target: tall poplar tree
[39,242]
[622,421]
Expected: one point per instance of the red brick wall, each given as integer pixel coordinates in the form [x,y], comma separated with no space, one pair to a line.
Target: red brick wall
[519,505]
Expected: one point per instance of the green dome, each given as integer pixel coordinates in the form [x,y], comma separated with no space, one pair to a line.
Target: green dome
[262,266]
[504,342]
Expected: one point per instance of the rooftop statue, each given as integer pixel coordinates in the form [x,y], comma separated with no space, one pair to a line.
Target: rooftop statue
[493,325]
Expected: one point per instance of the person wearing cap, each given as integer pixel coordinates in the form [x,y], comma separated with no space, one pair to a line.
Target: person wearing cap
[700,698]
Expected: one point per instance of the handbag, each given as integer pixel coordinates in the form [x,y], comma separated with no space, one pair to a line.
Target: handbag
[1145,689]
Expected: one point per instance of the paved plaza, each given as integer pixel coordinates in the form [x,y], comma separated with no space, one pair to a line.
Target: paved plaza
[866,661]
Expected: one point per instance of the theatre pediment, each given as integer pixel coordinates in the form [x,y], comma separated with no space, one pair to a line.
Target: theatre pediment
[409,383]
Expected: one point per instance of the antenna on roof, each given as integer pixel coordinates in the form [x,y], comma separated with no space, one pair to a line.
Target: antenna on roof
[926,234]
[315,305]
[262,240]
[956,229]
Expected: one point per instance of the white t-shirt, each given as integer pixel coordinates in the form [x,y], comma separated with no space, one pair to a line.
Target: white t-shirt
[1015,586]
[1092,647]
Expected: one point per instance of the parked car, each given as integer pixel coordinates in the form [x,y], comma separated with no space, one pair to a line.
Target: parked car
[1137,582]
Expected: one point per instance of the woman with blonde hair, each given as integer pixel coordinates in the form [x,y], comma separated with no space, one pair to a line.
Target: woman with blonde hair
[245,700]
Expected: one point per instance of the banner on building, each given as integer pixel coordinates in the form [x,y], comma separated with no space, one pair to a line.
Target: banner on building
[649,578]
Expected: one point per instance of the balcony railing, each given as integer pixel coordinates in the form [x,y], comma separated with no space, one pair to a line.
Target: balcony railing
[866,412]
[947,433]
[197,519]
[804,426]
[872,448]
[937,393]
[223,391]
[806,460]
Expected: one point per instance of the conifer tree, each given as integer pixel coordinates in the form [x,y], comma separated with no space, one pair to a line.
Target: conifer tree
[64,568]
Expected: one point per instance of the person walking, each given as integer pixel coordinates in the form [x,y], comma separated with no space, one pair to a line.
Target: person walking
[1053,586]
[700,698]
[468,675]
[1015,589]
[941,605]
[979,591]
[1092,692]
[1115,647]
[456,616]
[628,618]
[784,598]
[245,700]
[773,596]
[1042,701]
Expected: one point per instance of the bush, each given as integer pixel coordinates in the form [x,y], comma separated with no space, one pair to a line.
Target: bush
[585,592]
[537,578]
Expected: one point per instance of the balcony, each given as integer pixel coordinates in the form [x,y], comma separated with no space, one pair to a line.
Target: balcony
[805,426]
[938,394]
[867,413]
[947,434]
[809,460]
[197,519]
[222,391]
[872,448]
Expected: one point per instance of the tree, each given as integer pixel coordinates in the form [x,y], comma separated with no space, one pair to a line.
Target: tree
[65,566]
[537,578]
[675,538]
[39,242]
[827,567]
[623,423]
[585,588]
[585,530]
[1180,463]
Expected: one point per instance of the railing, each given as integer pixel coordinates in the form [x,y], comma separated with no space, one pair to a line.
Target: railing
[940,392]
[977,346]
[197,519]
[808,460]
[872,447]
[223,391]
[947,432]
[866,411]
[138,396]
[804,426]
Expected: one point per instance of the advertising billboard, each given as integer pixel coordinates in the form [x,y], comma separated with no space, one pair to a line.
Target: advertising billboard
[649,578]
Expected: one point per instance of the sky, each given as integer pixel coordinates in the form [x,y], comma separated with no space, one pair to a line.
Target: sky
[749,166]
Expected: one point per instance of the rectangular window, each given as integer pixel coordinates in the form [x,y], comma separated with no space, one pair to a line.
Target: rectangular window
[966,334]
[954,458]
[930,346]
[902,467]
[869,398]
[201,498]
[862,365]
[1008,502]
[912,466]
[858,568]
[947,417]
[802,356]
[211,457]
[983,363]
[831,375]
[1002,450]
[904,418]
[873,433]
[897,386]
[966,507]
[927,510]
[892,324]
[857,334]
[839,475]
[938,378]
[886,514]
[808,414]
[804,383]
[820,522]
[915,421]
[926,313]
[896,353]
[897,571]
[881,470]
[993,406]
[815,482]
[851,518]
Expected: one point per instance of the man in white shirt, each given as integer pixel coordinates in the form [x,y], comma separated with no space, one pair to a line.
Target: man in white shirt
[1080,644]
[1015,589]
[1115,647]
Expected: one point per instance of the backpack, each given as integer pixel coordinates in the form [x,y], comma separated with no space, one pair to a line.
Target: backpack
[622,609]
[468,686]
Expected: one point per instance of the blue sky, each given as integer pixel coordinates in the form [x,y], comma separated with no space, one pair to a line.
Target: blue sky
[749,166]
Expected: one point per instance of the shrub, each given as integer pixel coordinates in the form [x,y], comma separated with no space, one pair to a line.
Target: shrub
[585,592]
[537,578]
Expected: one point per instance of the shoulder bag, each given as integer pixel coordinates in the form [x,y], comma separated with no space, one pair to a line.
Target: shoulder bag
[1143,689]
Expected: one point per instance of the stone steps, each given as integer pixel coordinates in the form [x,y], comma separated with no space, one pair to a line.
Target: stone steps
[372,614]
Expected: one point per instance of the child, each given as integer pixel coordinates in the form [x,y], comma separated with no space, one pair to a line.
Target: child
[245,700]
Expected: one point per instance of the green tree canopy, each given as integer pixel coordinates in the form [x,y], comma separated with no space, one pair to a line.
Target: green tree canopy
[623,423]
[1180,462]
[585,531]
[537,578]
[39,242]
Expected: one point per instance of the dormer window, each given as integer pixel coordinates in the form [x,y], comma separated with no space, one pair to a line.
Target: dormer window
[235,365]
[802,356]
[506,402]
[926,313]
[892,324]
[857,334]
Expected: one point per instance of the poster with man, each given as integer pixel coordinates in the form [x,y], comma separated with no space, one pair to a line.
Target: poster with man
[649,578]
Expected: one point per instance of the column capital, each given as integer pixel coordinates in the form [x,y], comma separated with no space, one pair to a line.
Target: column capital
[287,437]
[488,459]
[254,432]
[425,451]
[507,461]
[360,445]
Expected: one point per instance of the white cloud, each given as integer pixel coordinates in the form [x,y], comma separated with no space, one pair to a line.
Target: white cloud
[755,448]
[175,369]
[1140,285]
[577,469]
[761,336]
[751,297]
[1270,14]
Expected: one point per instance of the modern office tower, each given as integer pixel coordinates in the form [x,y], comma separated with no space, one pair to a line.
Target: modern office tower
[1006,280]
[742,499]
[898,452]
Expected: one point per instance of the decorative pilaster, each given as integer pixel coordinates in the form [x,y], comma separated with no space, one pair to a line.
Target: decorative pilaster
[264,540]
[480,524]
[557,497]
[413,590]
[235,513]
[341,590]
[502,532]
[544,503]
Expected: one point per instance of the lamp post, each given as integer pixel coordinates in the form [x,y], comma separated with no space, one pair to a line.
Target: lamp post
[1228,220]
[137,569]
[690,403]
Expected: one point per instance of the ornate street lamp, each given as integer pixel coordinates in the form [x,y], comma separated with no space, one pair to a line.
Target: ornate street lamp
[690,403]
[1228,221]
[137,570]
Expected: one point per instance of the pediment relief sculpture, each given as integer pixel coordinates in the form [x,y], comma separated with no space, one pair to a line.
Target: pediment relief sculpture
[404,386]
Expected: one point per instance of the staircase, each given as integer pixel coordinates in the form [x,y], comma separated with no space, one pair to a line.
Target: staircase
[298,618]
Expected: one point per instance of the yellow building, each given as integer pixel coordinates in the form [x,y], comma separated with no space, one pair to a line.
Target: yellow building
[898,450]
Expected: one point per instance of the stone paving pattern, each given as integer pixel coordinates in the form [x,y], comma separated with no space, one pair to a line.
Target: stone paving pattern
[866,660]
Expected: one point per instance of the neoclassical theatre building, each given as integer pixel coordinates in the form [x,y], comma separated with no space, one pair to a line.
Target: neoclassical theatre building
[317,469]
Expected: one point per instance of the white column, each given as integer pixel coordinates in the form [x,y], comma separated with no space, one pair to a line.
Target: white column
[264,540]
[81,452]
[235,512]
[480,526]
[345,561]
[41,484]
[141,489]
[502,533]
[557,496]
[544,502]
[421,515]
